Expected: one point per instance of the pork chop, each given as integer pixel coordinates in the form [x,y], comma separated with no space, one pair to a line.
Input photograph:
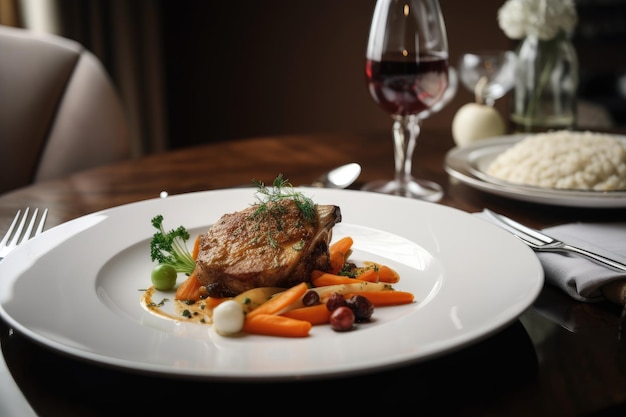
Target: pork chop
[276,246]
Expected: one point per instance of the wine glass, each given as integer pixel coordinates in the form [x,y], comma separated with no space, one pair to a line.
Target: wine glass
[406,71]
[448,95]
[488,74]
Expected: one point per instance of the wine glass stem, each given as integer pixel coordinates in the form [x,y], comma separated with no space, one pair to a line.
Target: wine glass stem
[406,129]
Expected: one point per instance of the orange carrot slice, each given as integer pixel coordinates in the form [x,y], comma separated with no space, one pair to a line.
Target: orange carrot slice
[212,302]
[196,248]
[281,301]
[343,245]
[189,289]
[316,314]
[333,279]
[386,298]
[316,273]
[386,274]
[338,252]
[369,275]
[337,260]
[272,325]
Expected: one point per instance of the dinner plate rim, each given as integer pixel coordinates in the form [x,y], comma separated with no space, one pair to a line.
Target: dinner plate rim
[532,285]
[459,163]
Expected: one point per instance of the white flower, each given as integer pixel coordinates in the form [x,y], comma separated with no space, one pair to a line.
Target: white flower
[541,18]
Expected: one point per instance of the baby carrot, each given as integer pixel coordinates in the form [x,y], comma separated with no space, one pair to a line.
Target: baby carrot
[385,298]
[196,248]
[338,252]
[316,314]
[212,302]
[386,274]
[337,260]
[316,273]
[281,301]
[189,289]
[273,325]
[369,275]
[332,279]
[343,245]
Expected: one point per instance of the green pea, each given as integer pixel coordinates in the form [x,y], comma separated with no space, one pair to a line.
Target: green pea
[164,277]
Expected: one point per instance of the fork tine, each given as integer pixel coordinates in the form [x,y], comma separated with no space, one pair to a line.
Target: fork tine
[6,237]
[42,222]
[15,237]
[29,229]
[18,232]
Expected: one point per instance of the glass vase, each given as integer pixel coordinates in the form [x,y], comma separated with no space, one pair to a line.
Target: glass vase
[546,82]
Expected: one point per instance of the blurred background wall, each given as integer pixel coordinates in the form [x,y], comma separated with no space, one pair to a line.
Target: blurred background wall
[194,71]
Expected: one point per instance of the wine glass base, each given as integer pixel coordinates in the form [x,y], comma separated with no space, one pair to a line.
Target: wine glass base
[418,189]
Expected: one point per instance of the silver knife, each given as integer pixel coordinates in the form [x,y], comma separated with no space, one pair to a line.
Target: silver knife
[539,241]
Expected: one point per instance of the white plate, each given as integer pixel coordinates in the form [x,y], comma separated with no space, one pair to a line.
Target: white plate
[469,165]
[76,288]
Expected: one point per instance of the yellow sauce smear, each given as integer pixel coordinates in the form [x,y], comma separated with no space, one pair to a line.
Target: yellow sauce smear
[163,305]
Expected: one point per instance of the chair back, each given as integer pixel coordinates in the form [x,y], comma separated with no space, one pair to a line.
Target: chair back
[59,110]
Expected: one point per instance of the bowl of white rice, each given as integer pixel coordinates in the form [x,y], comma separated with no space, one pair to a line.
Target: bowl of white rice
[566,160]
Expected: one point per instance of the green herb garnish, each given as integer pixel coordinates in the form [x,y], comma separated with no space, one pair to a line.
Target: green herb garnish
[283,190]
[170,247]
[267,206]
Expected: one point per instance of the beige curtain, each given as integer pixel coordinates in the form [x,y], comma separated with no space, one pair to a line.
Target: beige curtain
[125,36]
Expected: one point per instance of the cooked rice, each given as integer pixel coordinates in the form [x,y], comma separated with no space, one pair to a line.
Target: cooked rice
[564,160]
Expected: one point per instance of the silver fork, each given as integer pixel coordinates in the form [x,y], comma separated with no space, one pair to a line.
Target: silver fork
[18,237]
[13,401]
[539,241]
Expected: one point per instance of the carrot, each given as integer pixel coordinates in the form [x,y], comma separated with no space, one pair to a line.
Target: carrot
[369,275]
[281,301]
[337,260]
[385,298]
[316,273]
[273,325]
[386,274]
[212,302]
[343,245]
[333,279]
[196,248]
[338,252]
[189,289]
[316,314]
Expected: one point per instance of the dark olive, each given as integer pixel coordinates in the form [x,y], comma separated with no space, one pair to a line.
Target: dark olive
[361,306]
[334,301]
[311,298]
[342,319]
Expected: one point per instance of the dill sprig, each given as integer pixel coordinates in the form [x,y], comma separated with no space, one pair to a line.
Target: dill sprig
[282,190]
[268,197]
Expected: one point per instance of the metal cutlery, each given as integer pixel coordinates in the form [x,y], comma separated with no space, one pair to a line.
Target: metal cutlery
[13,402]
[340,177]
[18,238]
[541,242]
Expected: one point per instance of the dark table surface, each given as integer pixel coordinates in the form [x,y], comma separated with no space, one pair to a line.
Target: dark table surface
[560,357]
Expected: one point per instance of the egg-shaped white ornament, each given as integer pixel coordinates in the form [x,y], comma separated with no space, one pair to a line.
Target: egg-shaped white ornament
[474,121]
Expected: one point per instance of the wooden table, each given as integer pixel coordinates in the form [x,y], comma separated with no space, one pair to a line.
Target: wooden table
[561,357]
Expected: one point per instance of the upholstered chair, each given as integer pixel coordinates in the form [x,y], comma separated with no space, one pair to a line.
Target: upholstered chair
[59,110]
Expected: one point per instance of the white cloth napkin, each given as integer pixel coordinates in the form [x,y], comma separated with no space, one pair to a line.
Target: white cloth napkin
[578,276]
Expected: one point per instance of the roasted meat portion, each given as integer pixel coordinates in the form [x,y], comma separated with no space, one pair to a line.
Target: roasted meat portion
[274,245]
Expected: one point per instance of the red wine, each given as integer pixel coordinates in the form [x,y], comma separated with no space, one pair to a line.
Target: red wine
[407,87]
